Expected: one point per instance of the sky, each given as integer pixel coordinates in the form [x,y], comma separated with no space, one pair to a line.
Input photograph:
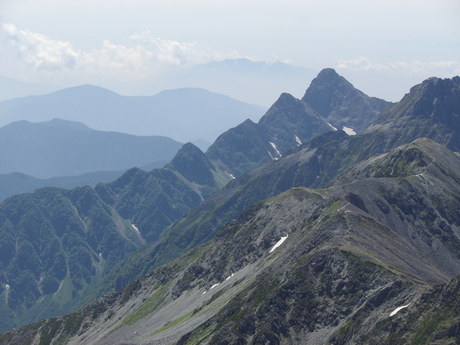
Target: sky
[140,47]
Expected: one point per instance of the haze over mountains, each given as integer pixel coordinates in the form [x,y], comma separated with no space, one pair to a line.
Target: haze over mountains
[181,114]
[251,81]
[62,148]
[270,259]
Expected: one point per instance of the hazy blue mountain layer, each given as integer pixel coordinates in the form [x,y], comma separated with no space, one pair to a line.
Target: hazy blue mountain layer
[64,148]
[183,114]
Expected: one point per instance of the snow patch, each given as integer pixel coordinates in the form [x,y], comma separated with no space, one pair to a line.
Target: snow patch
[231,176]
[348,130]
[277,244]
[275,148]
[229,276]
[203,292]
[271,156]
[333,128]
[136,229]
[298,140]
[215,285]
[7,286]
[394,312]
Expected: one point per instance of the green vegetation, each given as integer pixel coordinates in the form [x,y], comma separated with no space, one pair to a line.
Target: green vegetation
[147,307]
[202,335]
[173,323]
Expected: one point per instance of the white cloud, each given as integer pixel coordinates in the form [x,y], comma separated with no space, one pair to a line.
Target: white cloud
[178,53]
[415,67]
[36,56]
[36,50]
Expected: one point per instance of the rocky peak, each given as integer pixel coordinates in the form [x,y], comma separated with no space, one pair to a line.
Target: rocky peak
[286,106]
[431,109]
[193,164]
[432,96]
[337,100]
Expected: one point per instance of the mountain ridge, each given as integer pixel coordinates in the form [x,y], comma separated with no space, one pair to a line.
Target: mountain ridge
[334,278]
[172,113]
[59,148]
[386,203]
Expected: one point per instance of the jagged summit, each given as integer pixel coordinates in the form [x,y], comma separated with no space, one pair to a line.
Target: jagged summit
[329,74]
[287,124]
[431,109]
[434,96]
[340,103]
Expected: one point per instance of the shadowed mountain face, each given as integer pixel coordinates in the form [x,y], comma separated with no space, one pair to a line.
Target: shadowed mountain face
[287,124]
[385,228]
[55,243]
[329,103]
[316,163]
[324,266]
[65,148]
[340,103]
[431,109]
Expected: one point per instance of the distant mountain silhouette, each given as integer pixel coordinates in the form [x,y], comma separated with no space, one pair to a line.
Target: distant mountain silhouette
[65,148]
[183,114]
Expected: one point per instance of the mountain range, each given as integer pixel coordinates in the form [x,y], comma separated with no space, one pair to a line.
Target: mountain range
[326,239]
[65,148]
[183,114]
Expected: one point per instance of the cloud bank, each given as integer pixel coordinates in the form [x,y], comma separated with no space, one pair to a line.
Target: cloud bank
[435,68]
[37,56]
[148,63]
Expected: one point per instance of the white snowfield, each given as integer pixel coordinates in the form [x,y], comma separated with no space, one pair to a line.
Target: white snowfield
[332,126]
[298,140]
[275,148]
[348,130]
[215,285]
[394,312]
[277,244]
[136,229]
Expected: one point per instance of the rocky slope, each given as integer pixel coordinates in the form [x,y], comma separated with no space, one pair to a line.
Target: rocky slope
[431,109]
[338,265]
[152,201]
[315,163]
[330,99]
[285,126]
[340,103]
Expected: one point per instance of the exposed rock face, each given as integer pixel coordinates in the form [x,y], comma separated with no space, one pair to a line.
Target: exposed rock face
[397,212]
[330,102]
[340,103]
[431,109]
[351,255]
[192,163]
[241,149]
[287,124]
